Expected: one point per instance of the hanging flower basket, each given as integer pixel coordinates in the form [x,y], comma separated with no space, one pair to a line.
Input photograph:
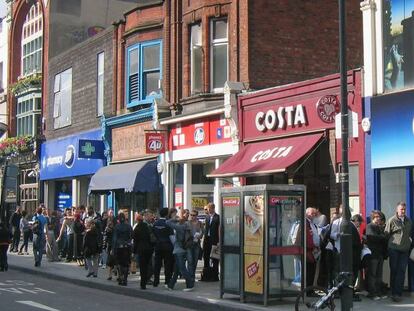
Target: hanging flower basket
[32,81]
[16,145]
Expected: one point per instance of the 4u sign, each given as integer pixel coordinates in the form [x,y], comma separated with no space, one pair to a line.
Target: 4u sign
[154,143]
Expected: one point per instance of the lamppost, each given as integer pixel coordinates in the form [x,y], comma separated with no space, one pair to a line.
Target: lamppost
[346,233]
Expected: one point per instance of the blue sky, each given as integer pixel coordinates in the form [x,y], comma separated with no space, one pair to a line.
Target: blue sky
[400,10]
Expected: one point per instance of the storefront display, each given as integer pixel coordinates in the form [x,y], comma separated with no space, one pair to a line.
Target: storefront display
[288,136]
[66,167]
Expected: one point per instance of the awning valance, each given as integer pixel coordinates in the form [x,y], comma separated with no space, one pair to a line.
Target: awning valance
[267,157]
[140,176]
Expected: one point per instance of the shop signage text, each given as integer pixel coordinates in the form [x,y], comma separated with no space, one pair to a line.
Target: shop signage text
[289,116]
[154,143]
[277,152]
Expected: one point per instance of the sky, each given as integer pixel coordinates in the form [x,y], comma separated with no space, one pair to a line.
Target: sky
[3,9]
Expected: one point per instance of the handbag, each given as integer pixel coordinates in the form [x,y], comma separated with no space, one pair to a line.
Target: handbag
[215,252]
[412,254]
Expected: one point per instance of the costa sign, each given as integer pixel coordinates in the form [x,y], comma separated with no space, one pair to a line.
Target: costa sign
[283,117]
[154,143]
[327,107]
[277,152]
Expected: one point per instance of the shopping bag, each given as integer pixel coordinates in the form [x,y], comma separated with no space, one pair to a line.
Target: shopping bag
[215,252]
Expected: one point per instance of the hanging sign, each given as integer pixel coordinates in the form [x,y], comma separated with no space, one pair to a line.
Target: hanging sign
[154,143]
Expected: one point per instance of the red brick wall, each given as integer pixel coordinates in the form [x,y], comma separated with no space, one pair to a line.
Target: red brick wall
[297,40]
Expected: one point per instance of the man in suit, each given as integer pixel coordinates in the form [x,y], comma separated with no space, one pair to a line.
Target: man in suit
[211,238]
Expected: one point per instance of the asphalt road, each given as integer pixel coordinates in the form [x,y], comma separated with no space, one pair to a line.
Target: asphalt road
[22,292]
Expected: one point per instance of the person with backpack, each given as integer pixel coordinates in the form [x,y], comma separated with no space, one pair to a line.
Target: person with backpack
[180,226]
[122,242]
[25,228]
[39,229]
[5,240]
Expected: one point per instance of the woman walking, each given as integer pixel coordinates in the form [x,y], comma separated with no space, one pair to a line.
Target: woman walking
[67,228]
[25,228]
[195,249]
[91,247]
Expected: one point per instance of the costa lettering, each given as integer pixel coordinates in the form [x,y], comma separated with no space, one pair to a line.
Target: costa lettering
[283,117]
[277,152]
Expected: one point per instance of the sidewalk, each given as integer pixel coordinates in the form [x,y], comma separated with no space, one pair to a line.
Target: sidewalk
[205,296]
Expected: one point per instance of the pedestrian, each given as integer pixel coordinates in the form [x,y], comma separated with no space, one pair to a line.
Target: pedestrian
[79,232]
[40,232]
[25,228]
[313,251]
[107,244]
[356,221]
[91,247]
[376,242]
[122,242]
[180,253]
[67,230]
[5,241]
[163,248]
[211,238]
[15,226]
[197,233]
[143,247]
[52,251]
[398,229]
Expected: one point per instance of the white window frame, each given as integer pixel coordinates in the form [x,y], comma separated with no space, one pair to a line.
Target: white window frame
[194,46]
[100,89]
[214,43]
[58,121]
[34,112]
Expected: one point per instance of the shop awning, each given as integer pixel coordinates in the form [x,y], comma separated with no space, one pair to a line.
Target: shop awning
[267,157]
[140,176]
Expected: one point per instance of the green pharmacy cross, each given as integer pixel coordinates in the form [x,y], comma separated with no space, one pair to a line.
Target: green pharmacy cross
[88,149]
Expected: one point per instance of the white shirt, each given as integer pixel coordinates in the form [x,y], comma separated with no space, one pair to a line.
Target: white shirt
[335,233]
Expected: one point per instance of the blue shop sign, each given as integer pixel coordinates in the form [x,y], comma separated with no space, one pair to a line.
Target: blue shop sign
[392,130]
[62,158]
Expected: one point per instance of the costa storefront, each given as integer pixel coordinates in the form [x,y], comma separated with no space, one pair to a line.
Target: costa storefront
[288,137]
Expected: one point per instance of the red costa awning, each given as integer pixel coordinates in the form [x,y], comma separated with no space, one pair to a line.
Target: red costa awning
[267,157]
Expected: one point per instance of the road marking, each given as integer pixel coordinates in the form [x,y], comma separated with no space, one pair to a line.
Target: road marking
[37,305]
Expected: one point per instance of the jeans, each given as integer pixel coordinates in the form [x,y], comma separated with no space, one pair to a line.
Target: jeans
[39,242]
[26,236]
[297,268]
[398,267]
[374,275]
[16,239]
[192,259]
[180,267]
[92,263]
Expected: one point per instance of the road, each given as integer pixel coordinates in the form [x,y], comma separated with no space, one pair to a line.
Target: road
[21,292]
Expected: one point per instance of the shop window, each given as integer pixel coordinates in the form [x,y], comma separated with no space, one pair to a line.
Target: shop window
[62,105]
[178,184]
[100,85]
[393,189]
[196,52]
[199,173]
[219,54]
[353,179]
[398,39]
[143,73]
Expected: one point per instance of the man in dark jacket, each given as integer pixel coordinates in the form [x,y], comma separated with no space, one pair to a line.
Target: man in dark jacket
[5,238]
[163,248]
[376,242]
[356,222]
[15,226]
[211,238]
[143,248]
